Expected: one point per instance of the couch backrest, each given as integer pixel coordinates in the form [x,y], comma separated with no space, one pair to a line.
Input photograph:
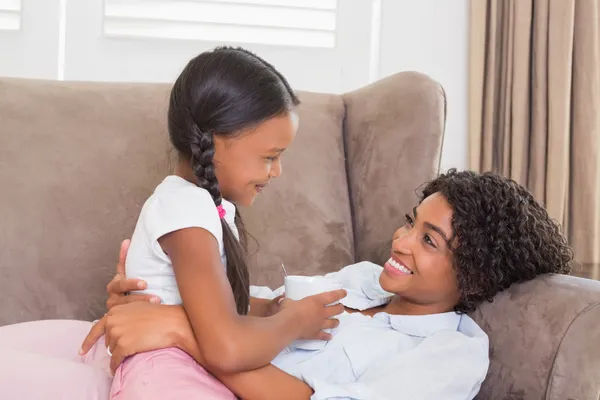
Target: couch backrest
[394,133]
[78,160]
[303,219]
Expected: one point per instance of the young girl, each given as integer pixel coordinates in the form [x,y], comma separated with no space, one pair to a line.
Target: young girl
[231,116]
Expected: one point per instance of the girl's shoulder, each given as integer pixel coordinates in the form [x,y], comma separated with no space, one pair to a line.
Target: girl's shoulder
[177,204]
[175,191]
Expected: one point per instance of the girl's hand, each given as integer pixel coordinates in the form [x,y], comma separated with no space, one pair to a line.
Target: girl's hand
[137,327]
[119,287]
[264,307]
[314,314]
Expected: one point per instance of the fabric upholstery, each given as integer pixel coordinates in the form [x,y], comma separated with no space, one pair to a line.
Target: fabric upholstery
[303,219]
[394,131]
[77,161]
[544,340]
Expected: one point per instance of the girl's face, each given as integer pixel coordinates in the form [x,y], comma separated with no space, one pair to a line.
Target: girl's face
[245,164]
[420,269]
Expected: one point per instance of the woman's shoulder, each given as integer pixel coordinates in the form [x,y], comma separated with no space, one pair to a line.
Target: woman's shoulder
[467,338]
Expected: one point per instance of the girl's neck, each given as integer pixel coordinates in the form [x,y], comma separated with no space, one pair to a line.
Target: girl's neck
[183,170]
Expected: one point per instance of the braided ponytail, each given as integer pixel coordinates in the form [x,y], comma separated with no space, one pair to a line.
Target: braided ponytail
[223,93]
[202,150]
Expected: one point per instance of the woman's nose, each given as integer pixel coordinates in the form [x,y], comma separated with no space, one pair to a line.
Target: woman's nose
[403,243]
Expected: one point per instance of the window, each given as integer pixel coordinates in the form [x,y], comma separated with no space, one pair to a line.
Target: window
[319,45]
[307,23]
[10,15]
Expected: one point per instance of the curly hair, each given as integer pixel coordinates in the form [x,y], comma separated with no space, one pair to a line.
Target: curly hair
[504,235]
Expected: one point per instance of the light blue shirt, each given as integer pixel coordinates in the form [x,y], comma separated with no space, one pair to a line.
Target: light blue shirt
[395,357]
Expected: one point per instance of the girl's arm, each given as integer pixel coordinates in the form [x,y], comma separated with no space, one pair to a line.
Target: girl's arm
[265,383]
[263,307]
[228,342]
[140,326]
[119,287]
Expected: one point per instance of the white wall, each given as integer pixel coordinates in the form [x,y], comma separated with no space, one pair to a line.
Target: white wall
[32,51]
[374,39]
[431,36]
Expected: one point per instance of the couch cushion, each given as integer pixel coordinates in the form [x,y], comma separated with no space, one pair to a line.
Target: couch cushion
[303,220]
[77,161]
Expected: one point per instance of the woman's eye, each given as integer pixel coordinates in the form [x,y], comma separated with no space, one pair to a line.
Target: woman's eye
[409,220]
[428,241]
[271,159]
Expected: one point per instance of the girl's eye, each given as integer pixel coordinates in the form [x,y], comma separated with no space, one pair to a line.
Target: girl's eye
[409,221]
[271,159]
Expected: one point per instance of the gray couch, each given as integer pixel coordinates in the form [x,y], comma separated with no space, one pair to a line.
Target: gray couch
[77,161]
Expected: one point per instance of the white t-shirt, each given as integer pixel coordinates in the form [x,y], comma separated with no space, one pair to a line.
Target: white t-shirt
[175,204]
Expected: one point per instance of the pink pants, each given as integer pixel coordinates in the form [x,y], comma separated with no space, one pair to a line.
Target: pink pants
[39,360]
[166,374]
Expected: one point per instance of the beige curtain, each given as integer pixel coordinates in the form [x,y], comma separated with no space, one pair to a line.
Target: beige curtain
[535,107]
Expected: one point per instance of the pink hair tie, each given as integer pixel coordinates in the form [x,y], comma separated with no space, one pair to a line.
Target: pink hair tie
[221,211]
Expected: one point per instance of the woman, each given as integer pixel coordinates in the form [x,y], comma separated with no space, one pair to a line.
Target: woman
[470,237]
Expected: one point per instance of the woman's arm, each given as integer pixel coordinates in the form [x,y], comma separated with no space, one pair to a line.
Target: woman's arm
[141,326]
[230,342]
[265,383]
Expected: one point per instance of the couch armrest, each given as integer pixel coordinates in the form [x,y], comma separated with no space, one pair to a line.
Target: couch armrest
[576,370]
[393,135]
[544,340]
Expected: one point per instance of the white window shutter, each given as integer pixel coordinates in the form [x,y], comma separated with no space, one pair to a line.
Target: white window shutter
[273,22]
[10,15]
[29,31]
[319,45]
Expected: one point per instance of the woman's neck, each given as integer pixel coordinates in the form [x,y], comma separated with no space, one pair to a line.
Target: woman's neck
[402,306]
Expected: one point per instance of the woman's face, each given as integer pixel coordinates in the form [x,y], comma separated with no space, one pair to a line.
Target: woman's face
[420,269]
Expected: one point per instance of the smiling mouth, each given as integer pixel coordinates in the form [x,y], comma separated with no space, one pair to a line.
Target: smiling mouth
[398,266]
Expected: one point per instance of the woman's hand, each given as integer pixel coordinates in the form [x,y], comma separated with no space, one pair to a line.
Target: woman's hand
[119,287]
[125,325]
[137,327]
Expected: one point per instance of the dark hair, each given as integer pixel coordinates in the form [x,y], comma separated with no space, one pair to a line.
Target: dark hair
[503,235]
[223,93]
